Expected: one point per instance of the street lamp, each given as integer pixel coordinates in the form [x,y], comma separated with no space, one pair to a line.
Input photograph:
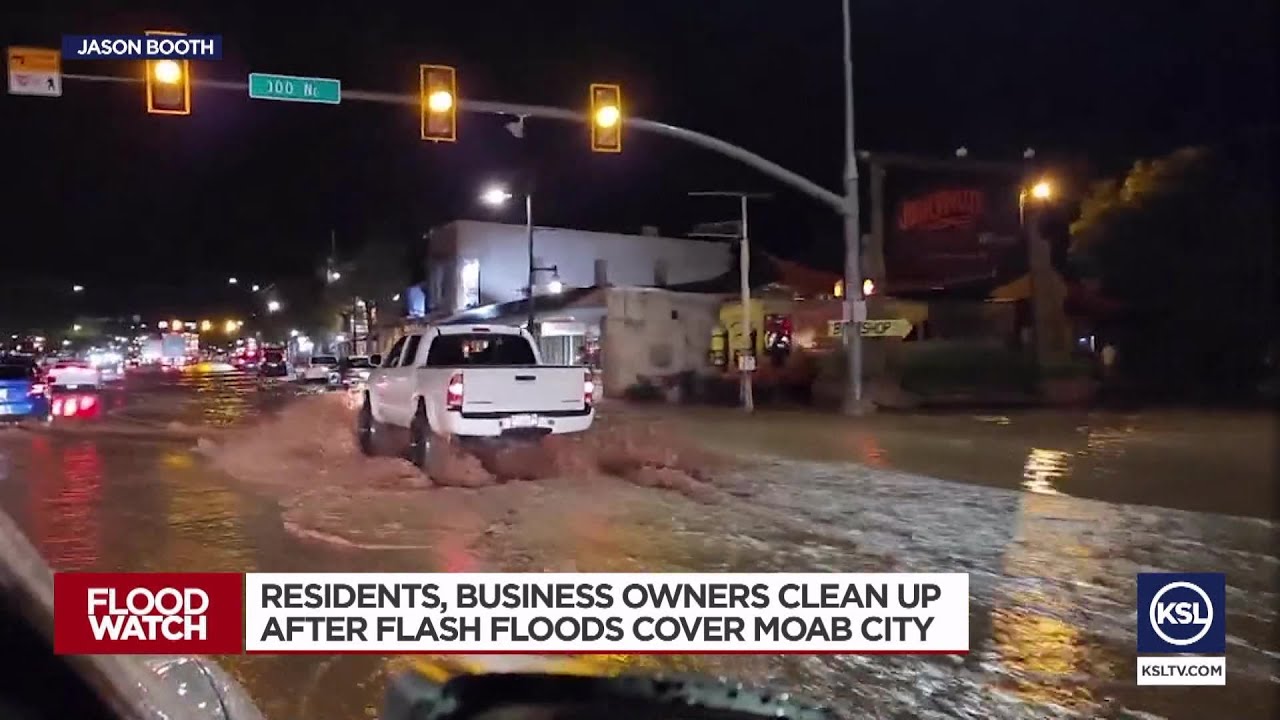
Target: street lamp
[232,281]
[273,306]
[497,196]
[255,288]
[555,286]
[77,288]
[334,276]
[1041,191]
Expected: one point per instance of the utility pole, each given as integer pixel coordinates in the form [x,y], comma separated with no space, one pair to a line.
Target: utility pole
[533,270]
[747,363]
[855,304]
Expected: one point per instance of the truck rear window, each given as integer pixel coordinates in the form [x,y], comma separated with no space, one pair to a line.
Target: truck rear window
[479,349]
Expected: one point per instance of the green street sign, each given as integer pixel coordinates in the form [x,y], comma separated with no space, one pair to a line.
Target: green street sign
[295,89]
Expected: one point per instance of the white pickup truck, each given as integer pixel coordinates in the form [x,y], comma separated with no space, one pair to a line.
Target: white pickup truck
[472,382]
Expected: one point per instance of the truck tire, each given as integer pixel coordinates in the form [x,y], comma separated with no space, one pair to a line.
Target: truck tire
[420,437]
[365,428]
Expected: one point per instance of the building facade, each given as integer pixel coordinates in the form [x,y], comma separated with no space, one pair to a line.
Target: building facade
[472,263]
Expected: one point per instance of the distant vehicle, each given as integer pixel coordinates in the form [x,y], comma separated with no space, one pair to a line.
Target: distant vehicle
[355,370]
[474,383]
[173,350]
[320,368]
[74,375]
[273,365]
[110,364]
[23,391]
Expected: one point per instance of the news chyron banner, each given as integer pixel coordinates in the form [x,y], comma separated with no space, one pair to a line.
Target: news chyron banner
[525,614]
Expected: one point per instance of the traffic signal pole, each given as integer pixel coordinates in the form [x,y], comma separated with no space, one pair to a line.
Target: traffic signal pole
[846,205]
[855,304]
[488,107]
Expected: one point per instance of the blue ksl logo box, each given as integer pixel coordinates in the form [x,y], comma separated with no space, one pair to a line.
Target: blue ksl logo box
[1182,613]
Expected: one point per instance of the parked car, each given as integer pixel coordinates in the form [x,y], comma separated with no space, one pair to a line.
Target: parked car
[475,383]
[355,370]
[320,368]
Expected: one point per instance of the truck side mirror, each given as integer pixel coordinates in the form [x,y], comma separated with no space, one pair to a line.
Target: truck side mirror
[375,359]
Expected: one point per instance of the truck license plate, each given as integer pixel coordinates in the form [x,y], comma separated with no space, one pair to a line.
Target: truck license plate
[522,421]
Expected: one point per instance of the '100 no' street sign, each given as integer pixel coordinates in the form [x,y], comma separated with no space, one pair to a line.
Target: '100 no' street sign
[295,89]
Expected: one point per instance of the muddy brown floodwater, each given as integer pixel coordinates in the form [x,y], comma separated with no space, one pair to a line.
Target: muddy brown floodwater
[1052,516]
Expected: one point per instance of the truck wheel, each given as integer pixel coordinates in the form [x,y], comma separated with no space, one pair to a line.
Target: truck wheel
[365,429]
[419,437]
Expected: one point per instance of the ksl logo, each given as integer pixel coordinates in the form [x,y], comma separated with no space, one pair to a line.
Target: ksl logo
[1182,613]
[151,613]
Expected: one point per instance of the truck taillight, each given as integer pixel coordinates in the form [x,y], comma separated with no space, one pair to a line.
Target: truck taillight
[588,389]
[453,396]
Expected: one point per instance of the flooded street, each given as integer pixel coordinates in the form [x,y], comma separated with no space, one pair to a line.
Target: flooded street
[1051,515]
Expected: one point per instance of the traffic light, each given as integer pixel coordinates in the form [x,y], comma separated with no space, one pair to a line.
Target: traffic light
[168,84]
[438,86]
[606,118]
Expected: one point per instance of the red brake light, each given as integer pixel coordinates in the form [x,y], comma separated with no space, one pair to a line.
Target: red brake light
[588,389]
[453,396]
[74,406]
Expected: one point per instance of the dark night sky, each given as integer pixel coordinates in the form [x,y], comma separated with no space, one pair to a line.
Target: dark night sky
[154,212]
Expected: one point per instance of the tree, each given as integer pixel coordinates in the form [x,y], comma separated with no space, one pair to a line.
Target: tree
[380,270]
[1186,241]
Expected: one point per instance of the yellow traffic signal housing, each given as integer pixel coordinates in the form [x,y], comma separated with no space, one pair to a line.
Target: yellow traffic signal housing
[438,88]
[168,84]
[606,118]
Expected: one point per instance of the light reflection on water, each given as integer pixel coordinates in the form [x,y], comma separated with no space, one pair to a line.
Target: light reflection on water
[65,492]
[1044,469]
[1037,622]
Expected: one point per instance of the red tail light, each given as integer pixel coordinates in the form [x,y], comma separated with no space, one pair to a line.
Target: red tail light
[453,396]
[74,406]
[588,389]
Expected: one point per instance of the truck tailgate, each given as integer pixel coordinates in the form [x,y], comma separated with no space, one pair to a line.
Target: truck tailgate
[533,389]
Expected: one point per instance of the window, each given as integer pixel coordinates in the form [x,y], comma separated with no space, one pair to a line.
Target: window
[469,282]
[660,272]
[393,355]
[479,349]
[601,272]
[328,360]
[411,350]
